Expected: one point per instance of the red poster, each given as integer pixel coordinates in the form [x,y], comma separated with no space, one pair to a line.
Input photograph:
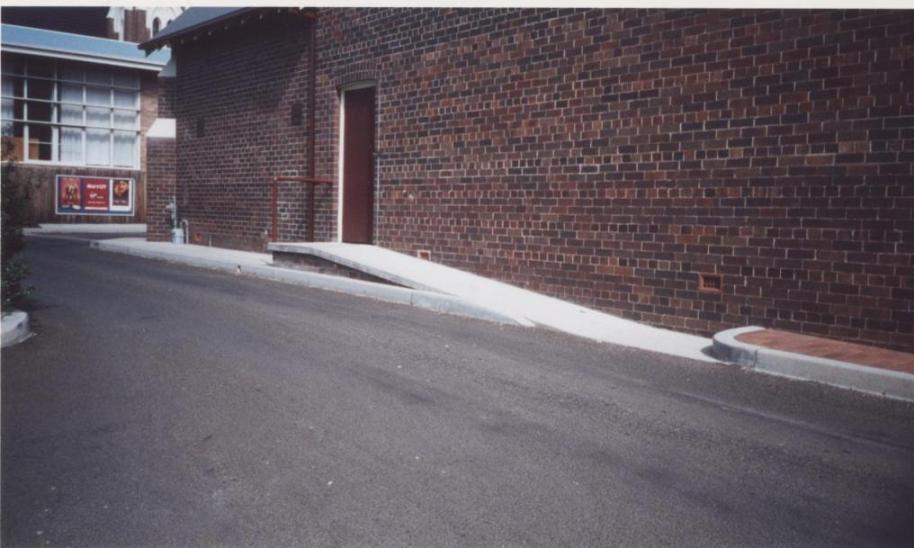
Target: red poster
[96,194]
[69,196]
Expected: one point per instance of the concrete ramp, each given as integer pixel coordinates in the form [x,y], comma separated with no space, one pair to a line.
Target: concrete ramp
[526,307]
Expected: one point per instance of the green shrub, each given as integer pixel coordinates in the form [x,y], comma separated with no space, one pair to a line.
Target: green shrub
[15,201]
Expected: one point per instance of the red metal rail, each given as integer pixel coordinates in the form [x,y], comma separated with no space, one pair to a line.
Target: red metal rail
[310,181]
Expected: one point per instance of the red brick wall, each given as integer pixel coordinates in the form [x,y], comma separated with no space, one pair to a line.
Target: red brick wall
[40,180]
[160,173]
[607,157]
[240,86]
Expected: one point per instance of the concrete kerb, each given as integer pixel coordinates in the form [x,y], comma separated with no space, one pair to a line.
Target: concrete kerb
[436,302]
[86,228]
[873,380]
[15,328]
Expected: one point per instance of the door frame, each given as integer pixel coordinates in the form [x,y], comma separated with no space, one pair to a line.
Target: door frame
[341,151]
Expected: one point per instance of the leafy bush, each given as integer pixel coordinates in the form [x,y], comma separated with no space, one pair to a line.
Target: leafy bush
[15,201]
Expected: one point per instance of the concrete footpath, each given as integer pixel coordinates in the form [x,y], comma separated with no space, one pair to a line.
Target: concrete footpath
[800,361]
[847,365]
[524,308]
[261,265]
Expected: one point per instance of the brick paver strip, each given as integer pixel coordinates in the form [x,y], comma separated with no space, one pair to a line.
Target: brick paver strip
[827,348]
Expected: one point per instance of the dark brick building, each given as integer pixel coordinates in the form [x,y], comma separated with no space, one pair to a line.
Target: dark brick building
[696,169]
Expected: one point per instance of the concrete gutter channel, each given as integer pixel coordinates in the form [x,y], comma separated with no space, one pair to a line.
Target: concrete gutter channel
[873,380]
[726,347]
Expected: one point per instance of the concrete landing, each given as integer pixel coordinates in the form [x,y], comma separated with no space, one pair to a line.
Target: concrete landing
[847,365]
[525,307]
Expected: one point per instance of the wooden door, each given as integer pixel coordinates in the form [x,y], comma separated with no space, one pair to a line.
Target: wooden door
[358,165]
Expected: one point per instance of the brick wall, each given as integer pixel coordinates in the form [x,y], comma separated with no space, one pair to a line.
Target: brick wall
[603,156]
[40,181]
[160,172]
[166,97]
[234,97]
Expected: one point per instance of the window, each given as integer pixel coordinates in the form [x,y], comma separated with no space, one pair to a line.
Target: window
[70,113]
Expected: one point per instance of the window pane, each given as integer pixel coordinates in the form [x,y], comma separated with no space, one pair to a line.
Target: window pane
[7,130]
[7,87]
[126,79]
[71,73]
[98,96]
[98,76]
[124,148]
[71,93]
[39,68]
[40,142]
[7,112]
[41,89]
[13,66]
[40,112]
[125,119]
[71,145]
[125,99]
[18,87]
[98,117]
[97,147]
[71,114]
[16,148]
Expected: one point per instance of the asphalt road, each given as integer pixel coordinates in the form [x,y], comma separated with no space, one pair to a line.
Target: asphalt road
[164,405]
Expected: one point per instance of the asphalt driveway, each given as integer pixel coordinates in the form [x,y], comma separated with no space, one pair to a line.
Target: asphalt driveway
[165,405]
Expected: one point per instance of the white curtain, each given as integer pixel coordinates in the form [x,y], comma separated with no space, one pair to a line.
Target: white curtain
[71,93]
[71,139]
[98,117]
[124,148]
[98,96]
[125,119]
[98,144]
[7,115]
[71,145]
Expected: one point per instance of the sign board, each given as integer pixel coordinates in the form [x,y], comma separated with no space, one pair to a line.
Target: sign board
[78,195]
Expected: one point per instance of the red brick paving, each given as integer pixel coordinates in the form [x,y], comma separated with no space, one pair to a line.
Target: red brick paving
[827,348]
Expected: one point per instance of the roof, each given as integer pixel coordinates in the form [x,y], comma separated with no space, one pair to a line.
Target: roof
[77,47]
[192,19]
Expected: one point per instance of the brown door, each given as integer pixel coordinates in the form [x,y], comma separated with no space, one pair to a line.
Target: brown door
[358,165]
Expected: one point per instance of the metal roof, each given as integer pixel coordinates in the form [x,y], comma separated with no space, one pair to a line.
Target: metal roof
[77,47]
[189,21]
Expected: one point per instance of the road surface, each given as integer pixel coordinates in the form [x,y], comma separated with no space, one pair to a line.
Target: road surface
[166,405]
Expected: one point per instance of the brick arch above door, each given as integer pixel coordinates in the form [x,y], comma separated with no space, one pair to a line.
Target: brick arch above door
[354,74]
